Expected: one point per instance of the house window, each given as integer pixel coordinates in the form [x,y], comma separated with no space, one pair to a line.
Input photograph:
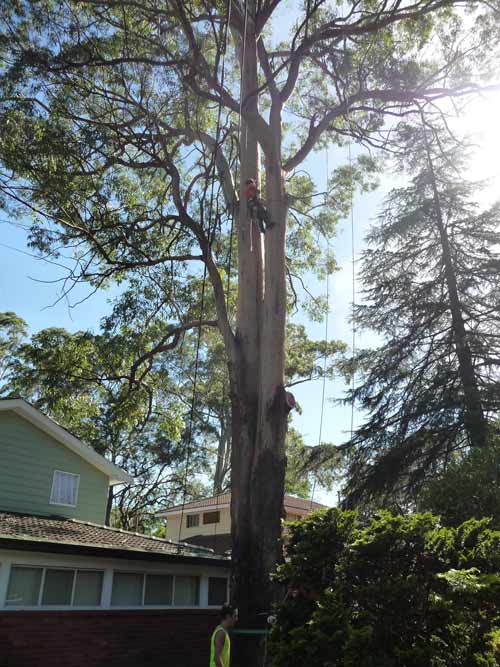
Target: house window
[88,589]
[24,586]
[159,589]
[192,520]
[293,517]
[131,589]
[217,591]
[187,591]
[211,517]
[64,488]
[58,587]
[46,587]
[127,589]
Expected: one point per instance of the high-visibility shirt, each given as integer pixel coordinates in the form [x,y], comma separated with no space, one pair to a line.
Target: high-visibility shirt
[225,655]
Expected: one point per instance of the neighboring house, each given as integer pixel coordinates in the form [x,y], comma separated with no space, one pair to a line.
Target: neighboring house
[45,470]
[207,522]
[72,587]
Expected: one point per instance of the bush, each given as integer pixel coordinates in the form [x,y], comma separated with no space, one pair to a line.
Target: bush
[469,488]
[400,591]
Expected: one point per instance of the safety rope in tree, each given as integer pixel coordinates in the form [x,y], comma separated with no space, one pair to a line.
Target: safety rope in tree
[210,235]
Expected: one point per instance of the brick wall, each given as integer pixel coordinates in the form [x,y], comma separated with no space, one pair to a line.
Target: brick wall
[106,638]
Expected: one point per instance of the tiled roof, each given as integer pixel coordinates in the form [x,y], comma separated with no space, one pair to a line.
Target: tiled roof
[71,532]
[290,503]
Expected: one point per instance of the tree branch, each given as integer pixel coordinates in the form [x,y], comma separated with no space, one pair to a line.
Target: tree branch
[390,95]
[163,346]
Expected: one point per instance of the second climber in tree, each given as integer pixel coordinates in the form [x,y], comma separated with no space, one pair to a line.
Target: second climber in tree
[256,209]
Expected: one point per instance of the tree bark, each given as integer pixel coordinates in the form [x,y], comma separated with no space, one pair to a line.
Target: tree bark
[223,452]
[109,506]
[259,413]
[475,423]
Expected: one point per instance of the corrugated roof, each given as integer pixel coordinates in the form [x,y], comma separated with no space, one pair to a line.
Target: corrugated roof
[55,531]
[290,503]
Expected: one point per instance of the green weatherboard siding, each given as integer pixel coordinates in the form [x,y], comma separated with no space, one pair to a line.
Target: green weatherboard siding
[28,458]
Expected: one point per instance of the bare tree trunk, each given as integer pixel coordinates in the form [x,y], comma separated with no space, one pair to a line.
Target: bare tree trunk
[259,414]
[109,506]
[222,455]
[475,423]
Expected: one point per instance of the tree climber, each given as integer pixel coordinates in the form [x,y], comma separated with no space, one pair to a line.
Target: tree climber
[256,209]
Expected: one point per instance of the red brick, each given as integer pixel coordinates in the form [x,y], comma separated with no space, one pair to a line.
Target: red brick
[106,638]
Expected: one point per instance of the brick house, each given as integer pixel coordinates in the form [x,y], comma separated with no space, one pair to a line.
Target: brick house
[78,593]
[207,522]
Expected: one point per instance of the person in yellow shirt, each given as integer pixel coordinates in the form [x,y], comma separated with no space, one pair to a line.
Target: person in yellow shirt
[220,644]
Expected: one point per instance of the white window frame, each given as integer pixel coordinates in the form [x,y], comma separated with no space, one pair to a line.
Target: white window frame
[44,569]
[143,590]
[107,567]
[174,576]
[71,474]
[195,525]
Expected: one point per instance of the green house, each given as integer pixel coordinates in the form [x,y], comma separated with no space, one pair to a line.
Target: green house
[76,592]
[46,471]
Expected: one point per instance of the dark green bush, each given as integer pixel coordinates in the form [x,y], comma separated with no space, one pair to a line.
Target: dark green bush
[468,488]
[400,591]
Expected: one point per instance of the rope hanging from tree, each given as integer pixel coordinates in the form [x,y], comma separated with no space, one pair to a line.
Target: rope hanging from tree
[325,357]
[210,236]
[353,283]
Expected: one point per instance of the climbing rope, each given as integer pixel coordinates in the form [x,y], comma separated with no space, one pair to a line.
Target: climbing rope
[210,235]
[232,212]
[353,282]
[325,357]
[353,278]
[353,247]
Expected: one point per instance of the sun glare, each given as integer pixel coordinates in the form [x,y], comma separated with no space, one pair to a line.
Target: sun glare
[481,122]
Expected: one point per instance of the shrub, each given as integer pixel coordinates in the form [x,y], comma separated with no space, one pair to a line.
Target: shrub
[468,488]
[399,591]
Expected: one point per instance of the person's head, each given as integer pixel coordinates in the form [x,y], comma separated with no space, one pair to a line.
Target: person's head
[228,616]
[249,181]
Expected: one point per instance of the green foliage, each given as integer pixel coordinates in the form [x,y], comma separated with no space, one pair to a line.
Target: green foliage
[468,487]
[83,381]
[412,387]
[12,332]
[391,592]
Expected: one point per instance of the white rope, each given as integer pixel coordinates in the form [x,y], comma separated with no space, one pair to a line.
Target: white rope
[325,357]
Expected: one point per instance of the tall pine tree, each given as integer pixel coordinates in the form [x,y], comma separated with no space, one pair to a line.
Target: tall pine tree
[431,292]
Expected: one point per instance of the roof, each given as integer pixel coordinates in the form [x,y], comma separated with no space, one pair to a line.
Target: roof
[38,533]
[221,543]
[224,500]
[50,427]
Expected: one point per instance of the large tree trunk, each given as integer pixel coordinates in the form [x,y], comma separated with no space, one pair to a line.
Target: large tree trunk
[475,423]
[259,414]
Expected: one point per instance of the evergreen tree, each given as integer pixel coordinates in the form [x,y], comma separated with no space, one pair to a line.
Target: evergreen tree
[431,292]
